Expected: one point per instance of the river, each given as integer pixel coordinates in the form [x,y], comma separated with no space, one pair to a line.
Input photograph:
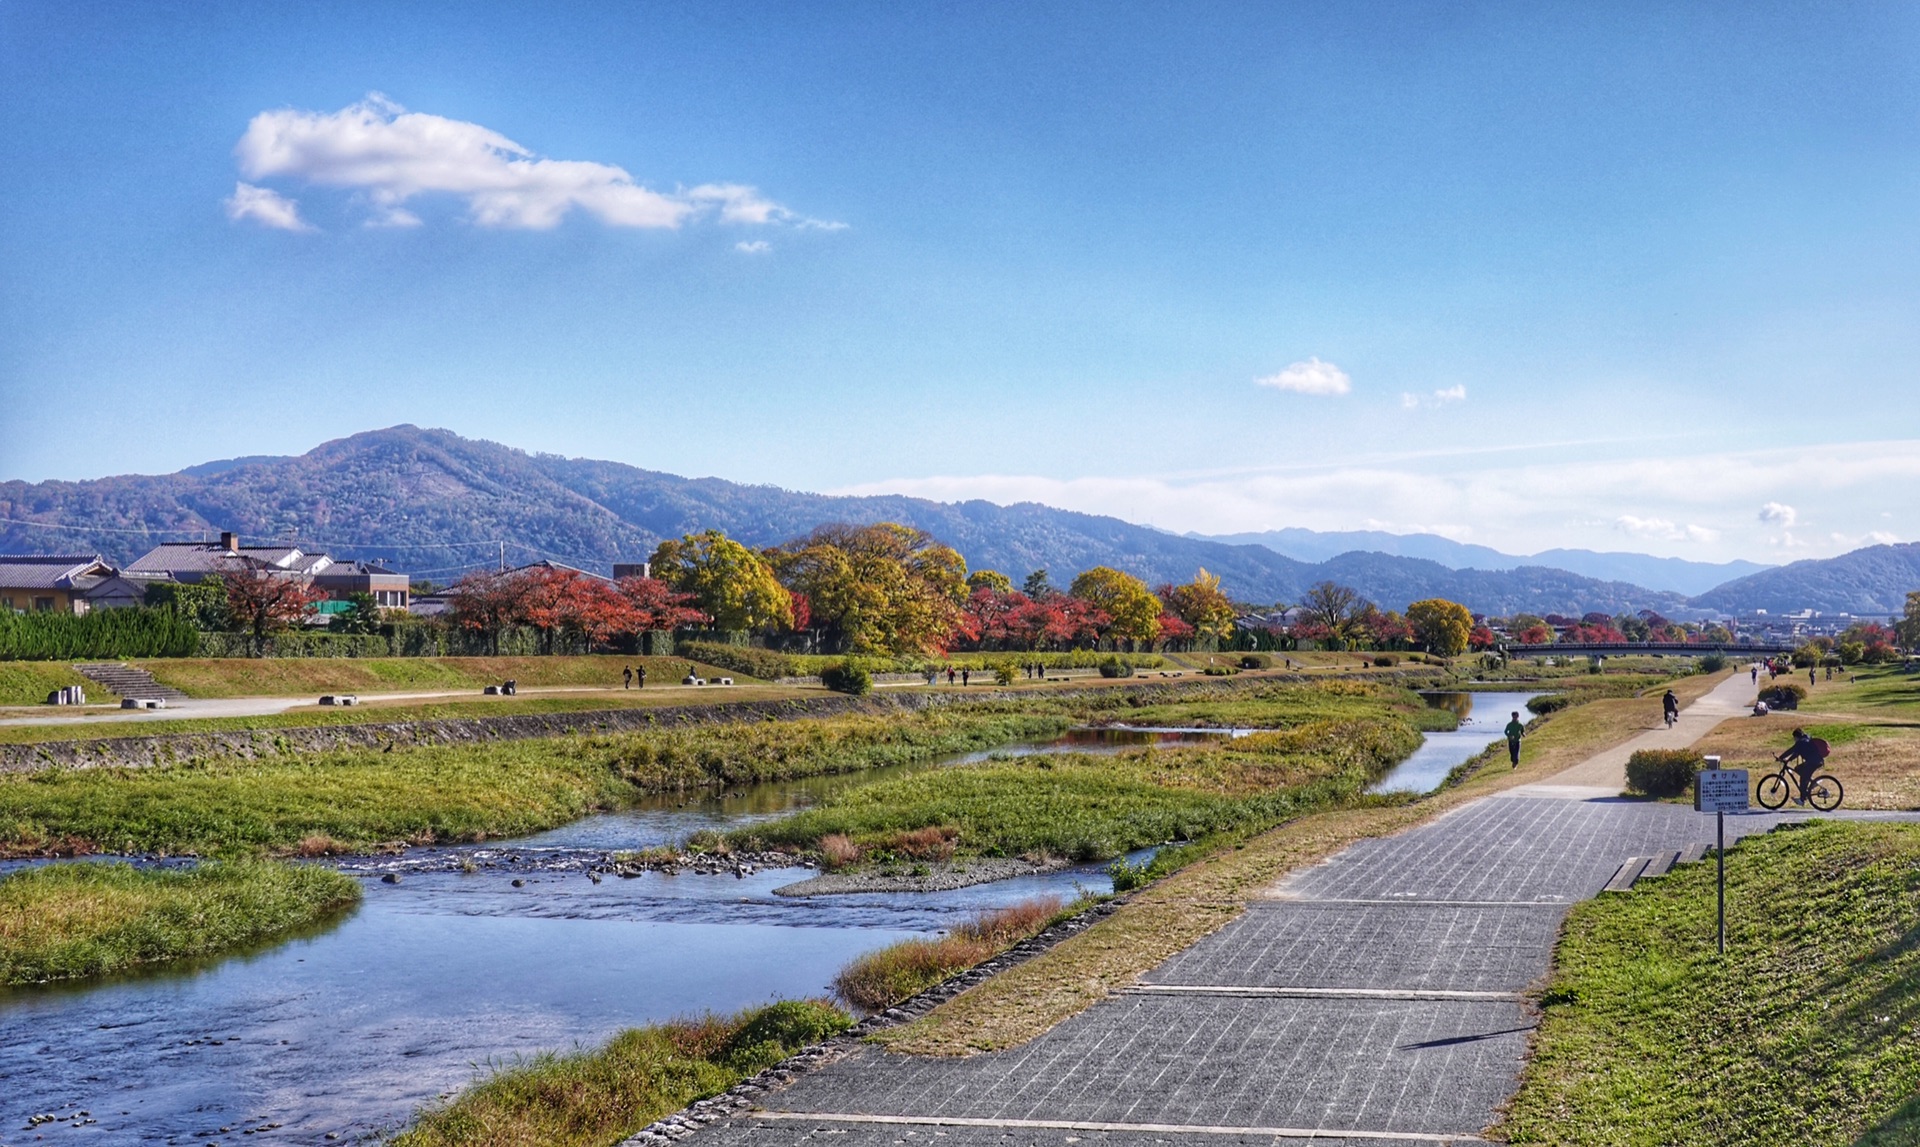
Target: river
[340,1035]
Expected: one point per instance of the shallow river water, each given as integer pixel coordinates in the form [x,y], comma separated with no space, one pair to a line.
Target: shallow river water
[341,1034]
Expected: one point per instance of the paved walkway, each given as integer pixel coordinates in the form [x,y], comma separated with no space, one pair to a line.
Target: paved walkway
[1376,998]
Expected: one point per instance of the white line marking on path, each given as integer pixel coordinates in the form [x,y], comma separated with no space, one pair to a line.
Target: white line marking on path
[1088,1125]
[1320,993]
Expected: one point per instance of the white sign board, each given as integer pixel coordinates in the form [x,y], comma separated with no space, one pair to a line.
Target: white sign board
[1720,790]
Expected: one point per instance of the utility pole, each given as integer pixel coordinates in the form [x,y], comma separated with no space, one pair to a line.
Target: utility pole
[503,557]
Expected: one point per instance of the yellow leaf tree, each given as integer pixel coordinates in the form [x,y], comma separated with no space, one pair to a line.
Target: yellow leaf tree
[1202,604]
[881,589]
[1124,598]
[728,581]
[1442,626]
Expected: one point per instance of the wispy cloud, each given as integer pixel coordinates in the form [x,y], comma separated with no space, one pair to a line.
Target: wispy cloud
[266,207]
[1778,514]
[1663,530]
[391,156]
[1309,377]
[1443,397]
[753,246]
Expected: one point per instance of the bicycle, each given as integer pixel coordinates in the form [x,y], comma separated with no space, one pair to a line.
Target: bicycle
[1824,794]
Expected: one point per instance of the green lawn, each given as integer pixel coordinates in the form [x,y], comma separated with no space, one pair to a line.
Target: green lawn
[29,682]
[1806,1032]
[67,920]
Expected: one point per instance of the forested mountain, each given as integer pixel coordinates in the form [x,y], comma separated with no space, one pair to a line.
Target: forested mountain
[1676,575]
[1872,581]
[433,503]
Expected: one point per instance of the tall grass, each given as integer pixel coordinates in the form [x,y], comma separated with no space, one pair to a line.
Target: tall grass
[602,1096]
[67,920]
[879,980]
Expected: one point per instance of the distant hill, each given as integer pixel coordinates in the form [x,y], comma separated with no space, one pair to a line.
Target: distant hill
[1675,575]
[434,503]
[1869,582]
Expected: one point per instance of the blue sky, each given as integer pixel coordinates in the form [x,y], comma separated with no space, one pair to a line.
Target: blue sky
[1623,277]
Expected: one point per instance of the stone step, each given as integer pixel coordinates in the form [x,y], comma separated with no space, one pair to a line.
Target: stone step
[1628,873]
[127,681]
[1697,851]
[1661,863]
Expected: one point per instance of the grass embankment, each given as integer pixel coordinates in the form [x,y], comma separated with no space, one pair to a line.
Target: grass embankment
[1274,705]
[1085,807]
[1872,722]
[1173,913]
[69,920]
[362,799]
[29,682]
[602,1096]
[294,676]
[1807,1031]
[881,979]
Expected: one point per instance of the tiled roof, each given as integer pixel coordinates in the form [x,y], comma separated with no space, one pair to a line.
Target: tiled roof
[208,557]
[47,571]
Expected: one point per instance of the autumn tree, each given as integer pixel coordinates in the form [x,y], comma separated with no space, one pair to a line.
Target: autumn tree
[1202,605]
[989,579]
[652,604]
[883,589]
[1443,627]
[730,583]
[1332,606]
[1134,611]
[486,602]
[262,598]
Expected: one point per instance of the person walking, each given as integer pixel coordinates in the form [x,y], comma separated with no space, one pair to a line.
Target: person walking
[950,675]
[626,677]
[1756,673]
[640,677]
[1813,677]
[966,678]
[1515,730]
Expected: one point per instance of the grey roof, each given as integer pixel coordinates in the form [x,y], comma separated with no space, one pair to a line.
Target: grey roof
[208,557]
[48,571]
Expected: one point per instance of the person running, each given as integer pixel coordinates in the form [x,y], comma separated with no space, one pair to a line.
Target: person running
[1515,731]
[1811,753]
[1670,705]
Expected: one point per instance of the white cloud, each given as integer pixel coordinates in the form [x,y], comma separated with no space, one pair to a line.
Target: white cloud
[266,207]
[1309,377]
[1451,394]
[753,246]
[1660,529]
[391,155]
[1778,514]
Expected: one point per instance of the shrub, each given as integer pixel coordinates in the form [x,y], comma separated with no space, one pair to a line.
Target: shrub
[1662,772]
[847,677]
[1127,877]
[1712,663]
[1220,670]
[1114,667]
[1004,673]
[1784,695]
[1549,703]
[115,633]
[935,842]
[1385,662]
[837,851]
[1256,661]
[779,1030]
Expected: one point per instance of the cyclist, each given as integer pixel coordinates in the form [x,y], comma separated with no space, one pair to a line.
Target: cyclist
[1811,753]
[1670,705]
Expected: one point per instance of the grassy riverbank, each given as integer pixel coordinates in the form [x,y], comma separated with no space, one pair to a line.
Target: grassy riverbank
[883,978]
[69,920]
[1083,807]
[29,682]
[298,676]
[362,799]
[1804,1032]
[1871,717]
[592,1098]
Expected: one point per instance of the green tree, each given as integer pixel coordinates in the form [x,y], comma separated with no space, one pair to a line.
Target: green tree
[1037,586]
[729,582]
[1442,626]
[362,615]
[1908,627]
[1125,599]
[204,603]
[1201,604]
[990,579]
[880,589]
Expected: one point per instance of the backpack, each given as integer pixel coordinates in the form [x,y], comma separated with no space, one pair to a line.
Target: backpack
[1818,749]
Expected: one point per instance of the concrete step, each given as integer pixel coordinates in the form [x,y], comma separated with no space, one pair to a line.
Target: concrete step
[127,681]
[1659,865]
[1694,852]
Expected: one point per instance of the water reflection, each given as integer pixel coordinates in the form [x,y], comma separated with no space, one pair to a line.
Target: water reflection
[1482,717]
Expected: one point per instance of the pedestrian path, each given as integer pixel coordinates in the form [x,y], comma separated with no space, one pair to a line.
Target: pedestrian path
[1376,998]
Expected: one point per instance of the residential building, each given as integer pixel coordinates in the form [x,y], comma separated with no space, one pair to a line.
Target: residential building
[195,561]
[340,579]
[51,583]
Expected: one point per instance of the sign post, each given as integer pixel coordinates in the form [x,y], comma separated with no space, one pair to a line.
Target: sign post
[1720,791]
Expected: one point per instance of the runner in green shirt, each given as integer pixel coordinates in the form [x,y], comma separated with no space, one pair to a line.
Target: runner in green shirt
[1515,731]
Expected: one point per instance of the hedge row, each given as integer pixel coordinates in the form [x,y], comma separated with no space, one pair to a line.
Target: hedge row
[101,633]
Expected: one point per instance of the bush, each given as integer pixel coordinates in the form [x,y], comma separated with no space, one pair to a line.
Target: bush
[1385,662]
[1127,877]
[1712,663]
[779,1030]
[105,633]
[1256,661]
[1220,670]
[1550,703]
[1004,673]
[1784,695]
[743,659]
[847,677]
[1114,667]
[1662,772]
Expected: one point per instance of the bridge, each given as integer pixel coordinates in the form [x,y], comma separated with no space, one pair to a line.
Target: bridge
[1762,648]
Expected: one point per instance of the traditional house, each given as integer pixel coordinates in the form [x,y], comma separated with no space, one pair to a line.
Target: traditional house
[195,561]
[52,583]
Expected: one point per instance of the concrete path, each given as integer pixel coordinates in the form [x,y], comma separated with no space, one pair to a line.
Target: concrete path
[1376,998]
[1605,773]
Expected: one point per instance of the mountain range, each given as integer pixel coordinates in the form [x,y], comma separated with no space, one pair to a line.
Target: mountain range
[432,503]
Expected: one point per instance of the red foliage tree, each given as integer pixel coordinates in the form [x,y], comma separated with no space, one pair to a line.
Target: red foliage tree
[262,598]
[653,605]
[1481,638]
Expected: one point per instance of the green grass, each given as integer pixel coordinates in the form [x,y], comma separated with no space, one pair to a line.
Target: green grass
[1806,1032]
[1088,808]
[29,682]
[593,1098]
[294,676]
[898,972]
[67,920]
[1270,705]
[360,799]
